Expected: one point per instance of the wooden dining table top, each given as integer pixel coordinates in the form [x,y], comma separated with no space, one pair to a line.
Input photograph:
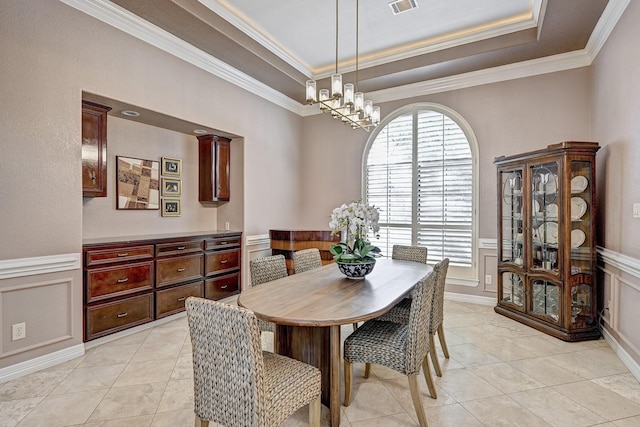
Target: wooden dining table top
[326,297]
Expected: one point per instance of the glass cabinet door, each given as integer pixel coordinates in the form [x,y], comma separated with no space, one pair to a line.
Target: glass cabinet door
[545,209]
[511,216]
[546,299]
[512,289]
[581,212]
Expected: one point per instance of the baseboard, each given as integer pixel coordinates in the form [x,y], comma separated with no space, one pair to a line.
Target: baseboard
[625,358]
[30,366]
[473,299]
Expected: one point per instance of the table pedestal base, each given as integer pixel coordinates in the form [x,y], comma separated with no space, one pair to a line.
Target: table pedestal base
[320,347]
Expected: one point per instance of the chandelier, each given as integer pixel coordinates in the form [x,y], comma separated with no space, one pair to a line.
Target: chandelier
[346,104]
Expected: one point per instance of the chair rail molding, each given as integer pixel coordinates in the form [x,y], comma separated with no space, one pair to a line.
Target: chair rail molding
[39,265]
[622,262]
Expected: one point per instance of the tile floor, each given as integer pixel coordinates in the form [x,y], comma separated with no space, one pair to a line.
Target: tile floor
[500,373]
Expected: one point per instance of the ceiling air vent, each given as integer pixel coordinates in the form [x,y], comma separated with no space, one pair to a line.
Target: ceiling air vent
[399,6]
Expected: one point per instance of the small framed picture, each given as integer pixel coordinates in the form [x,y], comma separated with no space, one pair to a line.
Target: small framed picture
[171,167]
[171,207]
[171,187]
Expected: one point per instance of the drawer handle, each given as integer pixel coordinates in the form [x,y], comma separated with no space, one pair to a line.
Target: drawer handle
[224,261]
[126,279]
[224,286]
[122,315]
[181,248]
[223,243]
[182,298]
[180,270]
[123,254]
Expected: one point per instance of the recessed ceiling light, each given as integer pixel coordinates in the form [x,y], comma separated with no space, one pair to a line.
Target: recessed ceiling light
[399,6]
[130,113]
[199,131]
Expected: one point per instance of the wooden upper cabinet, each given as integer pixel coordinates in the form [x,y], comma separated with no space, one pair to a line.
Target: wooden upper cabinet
[94,149]
[214,159]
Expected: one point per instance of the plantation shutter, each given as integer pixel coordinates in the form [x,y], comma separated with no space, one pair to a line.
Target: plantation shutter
[419,172]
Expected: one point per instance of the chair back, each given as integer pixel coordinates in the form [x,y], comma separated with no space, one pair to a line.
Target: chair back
[266,269]
[437,310]
[306,259]
[418,326]
[228,368]
[410,253]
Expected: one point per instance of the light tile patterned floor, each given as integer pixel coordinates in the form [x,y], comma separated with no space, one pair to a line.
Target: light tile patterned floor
[500,373]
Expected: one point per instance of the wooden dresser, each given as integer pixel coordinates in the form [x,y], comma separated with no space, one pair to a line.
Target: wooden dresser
[286,242]
[133,280]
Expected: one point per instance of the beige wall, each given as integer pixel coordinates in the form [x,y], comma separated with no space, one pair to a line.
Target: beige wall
[507,118]
[616,125]
[50,54]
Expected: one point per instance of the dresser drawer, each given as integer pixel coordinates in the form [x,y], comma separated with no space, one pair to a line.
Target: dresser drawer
[222,243]
[222,286]
[170,271]
[170,301]
[178,248]
[108,282]
[221,261]
[111,255]
[104,319]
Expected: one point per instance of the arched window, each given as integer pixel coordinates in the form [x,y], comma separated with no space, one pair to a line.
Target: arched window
[420,170]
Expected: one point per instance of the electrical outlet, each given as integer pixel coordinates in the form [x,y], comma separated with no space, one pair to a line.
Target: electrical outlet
[226,226]
[487,279]
[636,210]
[18,331]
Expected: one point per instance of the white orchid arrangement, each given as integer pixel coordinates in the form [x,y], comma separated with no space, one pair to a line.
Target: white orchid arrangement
[356,218]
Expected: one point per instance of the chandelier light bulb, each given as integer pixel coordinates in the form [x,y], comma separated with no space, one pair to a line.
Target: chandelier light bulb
[358,101]
[348,93]
[368,108]
[336,85]
[311,91]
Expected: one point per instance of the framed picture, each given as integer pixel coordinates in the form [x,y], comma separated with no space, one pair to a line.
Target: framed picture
[171,207]
[138,183]
[171,167]
[171,187]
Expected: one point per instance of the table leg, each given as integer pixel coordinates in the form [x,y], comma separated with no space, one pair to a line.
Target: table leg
[320,347]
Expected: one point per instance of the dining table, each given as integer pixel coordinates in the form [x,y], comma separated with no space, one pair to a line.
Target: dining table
[308,309]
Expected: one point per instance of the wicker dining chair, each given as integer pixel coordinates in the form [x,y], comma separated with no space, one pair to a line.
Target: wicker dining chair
[263,270]
[402,347]
[306,259]
[400,314]
[236,383]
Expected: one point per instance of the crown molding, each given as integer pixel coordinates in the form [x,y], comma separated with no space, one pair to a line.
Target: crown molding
[135,26]
[122,19]
[604,27]
[227,12]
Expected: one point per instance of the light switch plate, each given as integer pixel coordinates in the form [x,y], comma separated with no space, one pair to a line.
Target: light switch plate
[636,210]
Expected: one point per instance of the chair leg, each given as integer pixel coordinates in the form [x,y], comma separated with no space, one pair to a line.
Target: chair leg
[443,342]
[348,379]
[434,355]
[367,370]
[314,412]
[417,401]
[201,423]
[426,370]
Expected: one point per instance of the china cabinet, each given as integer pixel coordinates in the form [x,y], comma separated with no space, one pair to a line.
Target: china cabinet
[546,240]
